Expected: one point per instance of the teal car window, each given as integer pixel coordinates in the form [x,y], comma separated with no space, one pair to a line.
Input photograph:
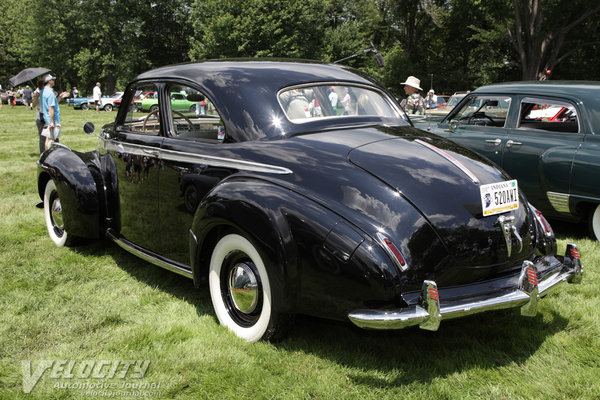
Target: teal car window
[548,115]
[484,111]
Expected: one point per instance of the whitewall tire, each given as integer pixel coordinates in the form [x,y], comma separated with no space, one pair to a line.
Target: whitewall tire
[54,216]
[240,289]
[595,223]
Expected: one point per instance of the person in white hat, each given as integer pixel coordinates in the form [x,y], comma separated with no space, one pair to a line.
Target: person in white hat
[414,103]
[50,110]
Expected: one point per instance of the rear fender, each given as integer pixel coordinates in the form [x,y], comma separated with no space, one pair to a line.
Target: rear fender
[76,188]
[316,256]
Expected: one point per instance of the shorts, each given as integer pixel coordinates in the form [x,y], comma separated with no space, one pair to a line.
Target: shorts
[53,134]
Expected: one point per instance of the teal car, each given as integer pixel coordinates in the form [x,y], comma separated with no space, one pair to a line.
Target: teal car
[179,102]
[545,134]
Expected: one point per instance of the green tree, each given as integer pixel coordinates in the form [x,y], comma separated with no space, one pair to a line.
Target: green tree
[257,28]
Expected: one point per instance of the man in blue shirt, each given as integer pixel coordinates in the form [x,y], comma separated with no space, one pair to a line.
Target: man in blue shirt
[51,111]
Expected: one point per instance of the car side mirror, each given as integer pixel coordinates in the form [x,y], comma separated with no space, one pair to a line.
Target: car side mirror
[452,126]
[89,128]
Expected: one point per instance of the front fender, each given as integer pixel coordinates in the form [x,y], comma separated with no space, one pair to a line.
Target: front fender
[76,188]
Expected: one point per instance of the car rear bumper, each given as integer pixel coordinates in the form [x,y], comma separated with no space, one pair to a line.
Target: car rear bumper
[431,310]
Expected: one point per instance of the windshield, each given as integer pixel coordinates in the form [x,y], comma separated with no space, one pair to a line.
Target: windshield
[329,101]
[455,99]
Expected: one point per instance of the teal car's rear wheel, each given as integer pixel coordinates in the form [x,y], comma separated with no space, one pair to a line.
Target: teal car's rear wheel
[594,222]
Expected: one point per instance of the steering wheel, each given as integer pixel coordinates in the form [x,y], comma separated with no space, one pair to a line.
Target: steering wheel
[151,113]
[155,112]
[479,116]
[190,123]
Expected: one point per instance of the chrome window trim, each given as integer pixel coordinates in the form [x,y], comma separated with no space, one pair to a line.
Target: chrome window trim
[171,155]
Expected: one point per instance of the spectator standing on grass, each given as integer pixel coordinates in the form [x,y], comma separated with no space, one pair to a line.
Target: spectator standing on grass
[97,96]
[11,97]
[414,103]
[51,111]
[27,97]
[75,91]
[39,117]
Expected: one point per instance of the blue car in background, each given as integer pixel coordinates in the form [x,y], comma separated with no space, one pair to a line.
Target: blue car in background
[79,102]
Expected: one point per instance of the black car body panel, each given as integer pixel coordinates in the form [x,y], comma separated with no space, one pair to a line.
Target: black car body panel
[348,212]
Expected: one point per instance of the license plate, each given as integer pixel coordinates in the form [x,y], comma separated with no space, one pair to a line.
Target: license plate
[499,197]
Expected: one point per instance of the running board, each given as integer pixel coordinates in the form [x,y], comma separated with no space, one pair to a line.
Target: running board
[148,256]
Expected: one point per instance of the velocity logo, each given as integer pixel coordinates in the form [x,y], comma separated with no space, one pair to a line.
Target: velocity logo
[86,369]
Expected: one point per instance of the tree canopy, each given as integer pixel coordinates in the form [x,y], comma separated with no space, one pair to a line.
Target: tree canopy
[449,44]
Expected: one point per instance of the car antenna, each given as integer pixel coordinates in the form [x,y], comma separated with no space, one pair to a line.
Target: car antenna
[378,56]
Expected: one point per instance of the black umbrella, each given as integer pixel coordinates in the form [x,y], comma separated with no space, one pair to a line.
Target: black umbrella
[26,75]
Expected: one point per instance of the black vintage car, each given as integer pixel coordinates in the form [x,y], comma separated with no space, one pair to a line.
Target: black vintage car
[288,202]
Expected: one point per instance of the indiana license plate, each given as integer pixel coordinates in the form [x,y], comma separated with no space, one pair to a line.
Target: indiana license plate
[499,197]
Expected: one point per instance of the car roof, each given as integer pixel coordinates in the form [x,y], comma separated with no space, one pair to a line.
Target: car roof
[543,87]
[275,73]
[245,90]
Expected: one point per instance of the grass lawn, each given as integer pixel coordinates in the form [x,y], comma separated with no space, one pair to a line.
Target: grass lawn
[96,302]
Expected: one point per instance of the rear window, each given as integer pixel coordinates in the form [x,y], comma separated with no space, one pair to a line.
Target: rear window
[302,104]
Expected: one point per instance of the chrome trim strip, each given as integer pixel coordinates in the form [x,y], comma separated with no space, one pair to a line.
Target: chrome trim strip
[130,247]
[171,155]
[448,157]
[559,201]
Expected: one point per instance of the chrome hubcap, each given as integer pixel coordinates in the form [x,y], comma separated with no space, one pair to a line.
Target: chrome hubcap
[243,286]
[56,212]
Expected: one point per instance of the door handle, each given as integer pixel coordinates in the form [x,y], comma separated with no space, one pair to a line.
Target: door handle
[495,142]
[510,143]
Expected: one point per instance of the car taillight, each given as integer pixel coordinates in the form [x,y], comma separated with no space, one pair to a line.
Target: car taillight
[542,220]
[393,251]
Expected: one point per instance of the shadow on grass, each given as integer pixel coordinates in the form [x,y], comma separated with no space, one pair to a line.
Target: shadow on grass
[569,230]
[378,359]
[150,274]
[394,358]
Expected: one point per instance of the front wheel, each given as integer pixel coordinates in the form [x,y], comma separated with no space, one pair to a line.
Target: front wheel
[53,214]
[108,107]
[594,222]
[240,289]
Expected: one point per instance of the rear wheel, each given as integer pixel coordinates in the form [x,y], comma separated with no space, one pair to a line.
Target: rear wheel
[241,290]
[108,107]
[85,107]
[54,216]
[594,222]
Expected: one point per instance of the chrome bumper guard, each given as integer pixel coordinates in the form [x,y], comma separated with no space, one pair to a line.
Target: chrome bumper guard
[429,312]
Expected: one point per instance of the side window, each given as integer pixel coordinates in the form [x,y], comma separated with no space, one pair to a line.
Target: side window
[142,112]
[548,115]
[194,116]
[484,111]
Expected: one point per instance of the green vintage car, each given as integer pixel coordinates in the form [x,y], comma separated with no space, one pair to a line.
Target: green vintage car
[544,134]
[179,102]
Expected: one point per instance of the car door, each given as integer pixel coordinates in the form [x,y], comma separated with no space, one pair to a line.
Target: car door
[539,150]
[189,168]
[480,123]
[134,146]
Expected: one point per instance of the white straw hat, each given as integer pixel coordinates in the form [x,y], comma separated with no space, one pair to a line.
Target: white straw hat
[412,81]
